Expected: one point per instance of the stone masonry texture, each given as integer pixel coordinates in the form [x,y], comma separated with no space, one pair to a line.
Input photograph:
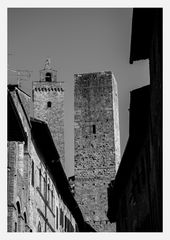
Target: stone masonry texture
[19,169]
[48,104]
[97,144]
[32,205]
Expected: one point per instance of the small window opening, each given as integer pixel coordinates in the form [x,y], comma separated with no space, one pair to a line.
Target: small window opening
[52,199]
[25,218]
[15,227]
[18,225]
[40,179]
[49,104]
[48,77]
[48,193]
[32,175]
[18,208]
[57,217]
[45,188]
[39,227]
[94,129]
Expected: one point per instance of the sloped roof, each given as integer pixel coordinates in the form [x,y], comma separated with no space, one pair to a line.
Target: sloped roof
[15,129]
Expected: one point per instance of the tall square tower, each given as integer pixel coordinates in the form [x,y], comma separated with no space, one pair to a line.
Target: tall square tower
[97,144]
[48,105]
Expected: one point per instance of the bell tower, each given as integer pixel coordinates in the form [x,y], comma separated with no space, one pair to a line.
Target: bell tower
[47,74]
[48,105]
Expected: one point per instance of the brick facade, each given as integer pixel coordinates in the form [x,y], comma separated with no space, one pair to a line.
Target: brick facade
[48,106]
[97,147]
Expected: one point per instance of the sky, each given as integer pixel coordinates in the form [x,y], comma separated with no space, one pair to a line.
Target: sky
[77,41]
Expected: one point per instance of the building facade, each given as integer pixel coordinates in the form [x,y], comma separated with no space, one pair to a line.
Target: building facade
[130,193]
[151,40]
[48,105]
[135,201]
[97,146]
[49,213]
[39,196]
[19,161]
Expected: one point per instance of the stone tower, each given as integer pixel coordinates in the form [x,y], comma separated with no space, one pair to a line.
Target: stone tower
[97,144]
[48,105]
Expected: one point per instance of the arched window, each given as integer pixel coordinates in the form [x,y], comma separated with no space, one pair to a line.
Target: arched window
[18,217]
[45,188]
[15,227]
[48,193]
[40,179]
[32,173]
[39,227]
[25,217]
[25,221]
[52,199]
[48,77]
[56,217]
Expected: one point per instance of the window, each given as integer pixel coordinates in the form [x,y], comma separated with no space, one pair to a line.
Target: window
[52,199]
[45,188]
[25,218]
[61,217]
[48,77]
[94,129]
[40,179]
[39,227]
[48,193]
[65,224]
[32,174]
[25,221]
[56,217]
[15,227]
[49,104]
[77,228]
[18,217]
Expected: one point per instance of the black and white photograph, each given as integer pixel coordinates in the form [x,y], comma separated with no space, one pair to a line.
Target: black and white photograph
[84,120]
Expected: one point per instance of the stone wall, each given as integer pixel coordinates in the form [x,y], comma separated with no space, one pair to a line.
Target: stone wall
[97,147]
[19,170]
[48,104]
[30,207]
[44,210]
[18,188]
